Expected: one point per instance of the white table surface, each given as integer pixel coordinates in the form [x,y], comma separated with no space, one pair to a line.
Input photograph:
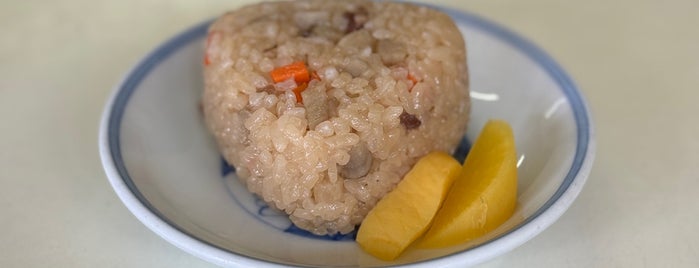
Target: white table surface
[637,62]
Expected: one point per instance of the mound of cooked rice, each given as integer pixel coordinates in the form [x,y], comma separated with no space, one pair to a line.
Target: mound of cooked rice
[385,83]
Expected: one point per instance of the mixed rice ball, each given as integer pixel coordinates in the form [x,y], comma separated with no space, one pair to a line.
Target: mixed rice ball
[323,106]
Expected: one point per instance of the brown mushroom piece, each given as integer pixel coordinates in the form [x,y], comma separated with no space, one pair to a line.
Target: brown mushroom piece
[356,19]
[391,52]
[316,101]
[359,163]
[409,121]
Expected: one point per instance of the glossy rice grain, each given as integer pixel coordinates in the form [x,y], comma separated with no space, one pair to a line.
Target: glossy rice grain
[389,85]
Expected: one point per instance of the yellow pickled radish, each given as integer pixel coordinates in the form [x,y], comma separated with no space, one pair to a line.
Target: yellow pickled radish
[484,194]
[405,213]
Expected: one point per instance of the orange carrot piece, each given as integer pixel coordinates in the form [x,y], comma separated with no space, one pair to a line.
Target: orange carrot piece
[412,78]
[298,90]
[297,70]
[211,35]
[209,39]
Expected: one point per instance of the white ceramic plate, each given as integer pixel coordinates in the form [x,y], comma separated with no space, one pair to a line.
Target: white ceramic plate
[164,165]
